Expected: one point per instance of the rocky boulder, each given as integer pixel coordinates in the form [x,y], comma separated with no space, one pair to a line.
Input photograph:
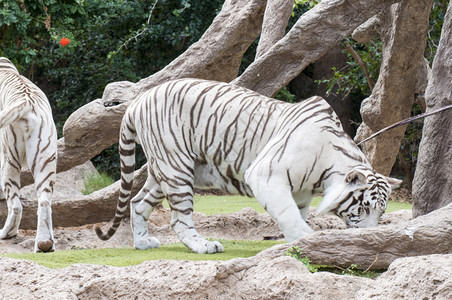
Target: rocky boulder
[69,184]
[265,276]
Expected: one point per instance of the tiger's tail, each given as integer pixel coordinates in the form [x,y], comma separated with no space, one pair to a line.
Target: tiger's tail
[127,159]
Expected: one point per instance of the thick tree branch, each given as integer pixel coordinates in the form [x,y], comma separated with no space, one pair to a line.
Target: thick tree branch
[276,18]
[89,209]
[310,38]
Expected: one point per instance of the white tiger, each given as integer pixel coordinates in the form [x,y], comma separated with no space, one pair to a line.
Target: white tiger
[209,134]
[28,139]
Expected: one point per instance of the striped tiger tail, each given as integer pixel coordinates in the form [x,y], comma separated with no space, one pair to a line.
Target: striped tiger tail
[127,160]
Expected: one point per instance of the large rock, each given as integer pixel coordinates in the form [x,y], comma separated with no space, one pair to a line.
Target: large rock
[69,184]
[265,276]
[421,277]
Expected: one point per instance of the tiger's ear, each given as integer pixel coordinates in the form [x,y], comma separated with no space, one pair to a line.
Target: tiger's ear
[394,183]
[355,177]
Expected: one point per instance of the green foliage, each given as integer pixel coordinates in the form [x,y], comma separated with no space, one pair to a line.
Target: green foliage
[297,253]
[351,78]
[285,95]
[121,257]
[227,204]
[393,206]
[436,23]
[96,181]
[306,3]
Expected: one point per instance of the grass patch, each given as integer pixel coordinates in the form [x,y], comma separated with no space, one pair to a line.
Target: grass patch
[394,206]
[95,181]
[121,257]
[211,204]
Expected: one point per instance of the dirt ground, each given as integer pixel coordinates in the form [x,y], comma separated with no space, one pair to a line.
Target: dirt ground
[246,224]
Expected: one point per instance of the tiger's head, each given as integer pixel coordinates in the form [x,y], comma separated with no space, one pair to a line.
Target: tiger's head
[360,199]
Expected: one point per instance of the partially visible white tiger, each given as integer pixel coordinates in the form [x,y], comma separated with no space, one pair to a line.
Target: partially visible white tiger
[28,139]
[210,134]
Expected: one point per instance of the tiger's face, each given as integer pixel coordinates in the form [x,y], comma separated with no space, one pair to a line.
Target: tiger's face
[363,208]
[362,198]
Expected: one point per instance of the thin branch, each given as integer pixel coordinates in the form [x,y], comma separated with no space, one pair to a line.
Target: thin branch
[138,33]
[373,263]
[361,64]
[408,120]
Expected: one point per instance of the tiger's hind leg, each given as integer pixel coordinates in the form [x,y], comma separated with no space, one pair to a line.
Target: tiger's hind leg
[180,199]
[141,207]
[10,186]
[42,163]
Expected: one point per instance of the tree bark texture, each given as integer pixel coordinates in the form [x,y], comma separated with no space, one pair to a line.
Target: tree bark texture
[432,184]
[403,32]
[276,18]
[317,31]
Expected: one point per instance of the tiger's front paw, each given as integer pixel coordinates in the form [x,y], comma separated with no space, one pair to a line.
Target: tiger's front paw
[208,247]
[147,243]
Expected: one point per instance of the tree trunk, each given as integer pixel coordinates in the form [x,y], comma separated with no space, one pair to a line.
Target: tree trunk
[403,33]
[432,185]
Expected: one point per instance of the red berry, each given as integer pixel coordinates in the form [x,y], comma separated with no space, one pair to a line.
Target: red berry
[64,41]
